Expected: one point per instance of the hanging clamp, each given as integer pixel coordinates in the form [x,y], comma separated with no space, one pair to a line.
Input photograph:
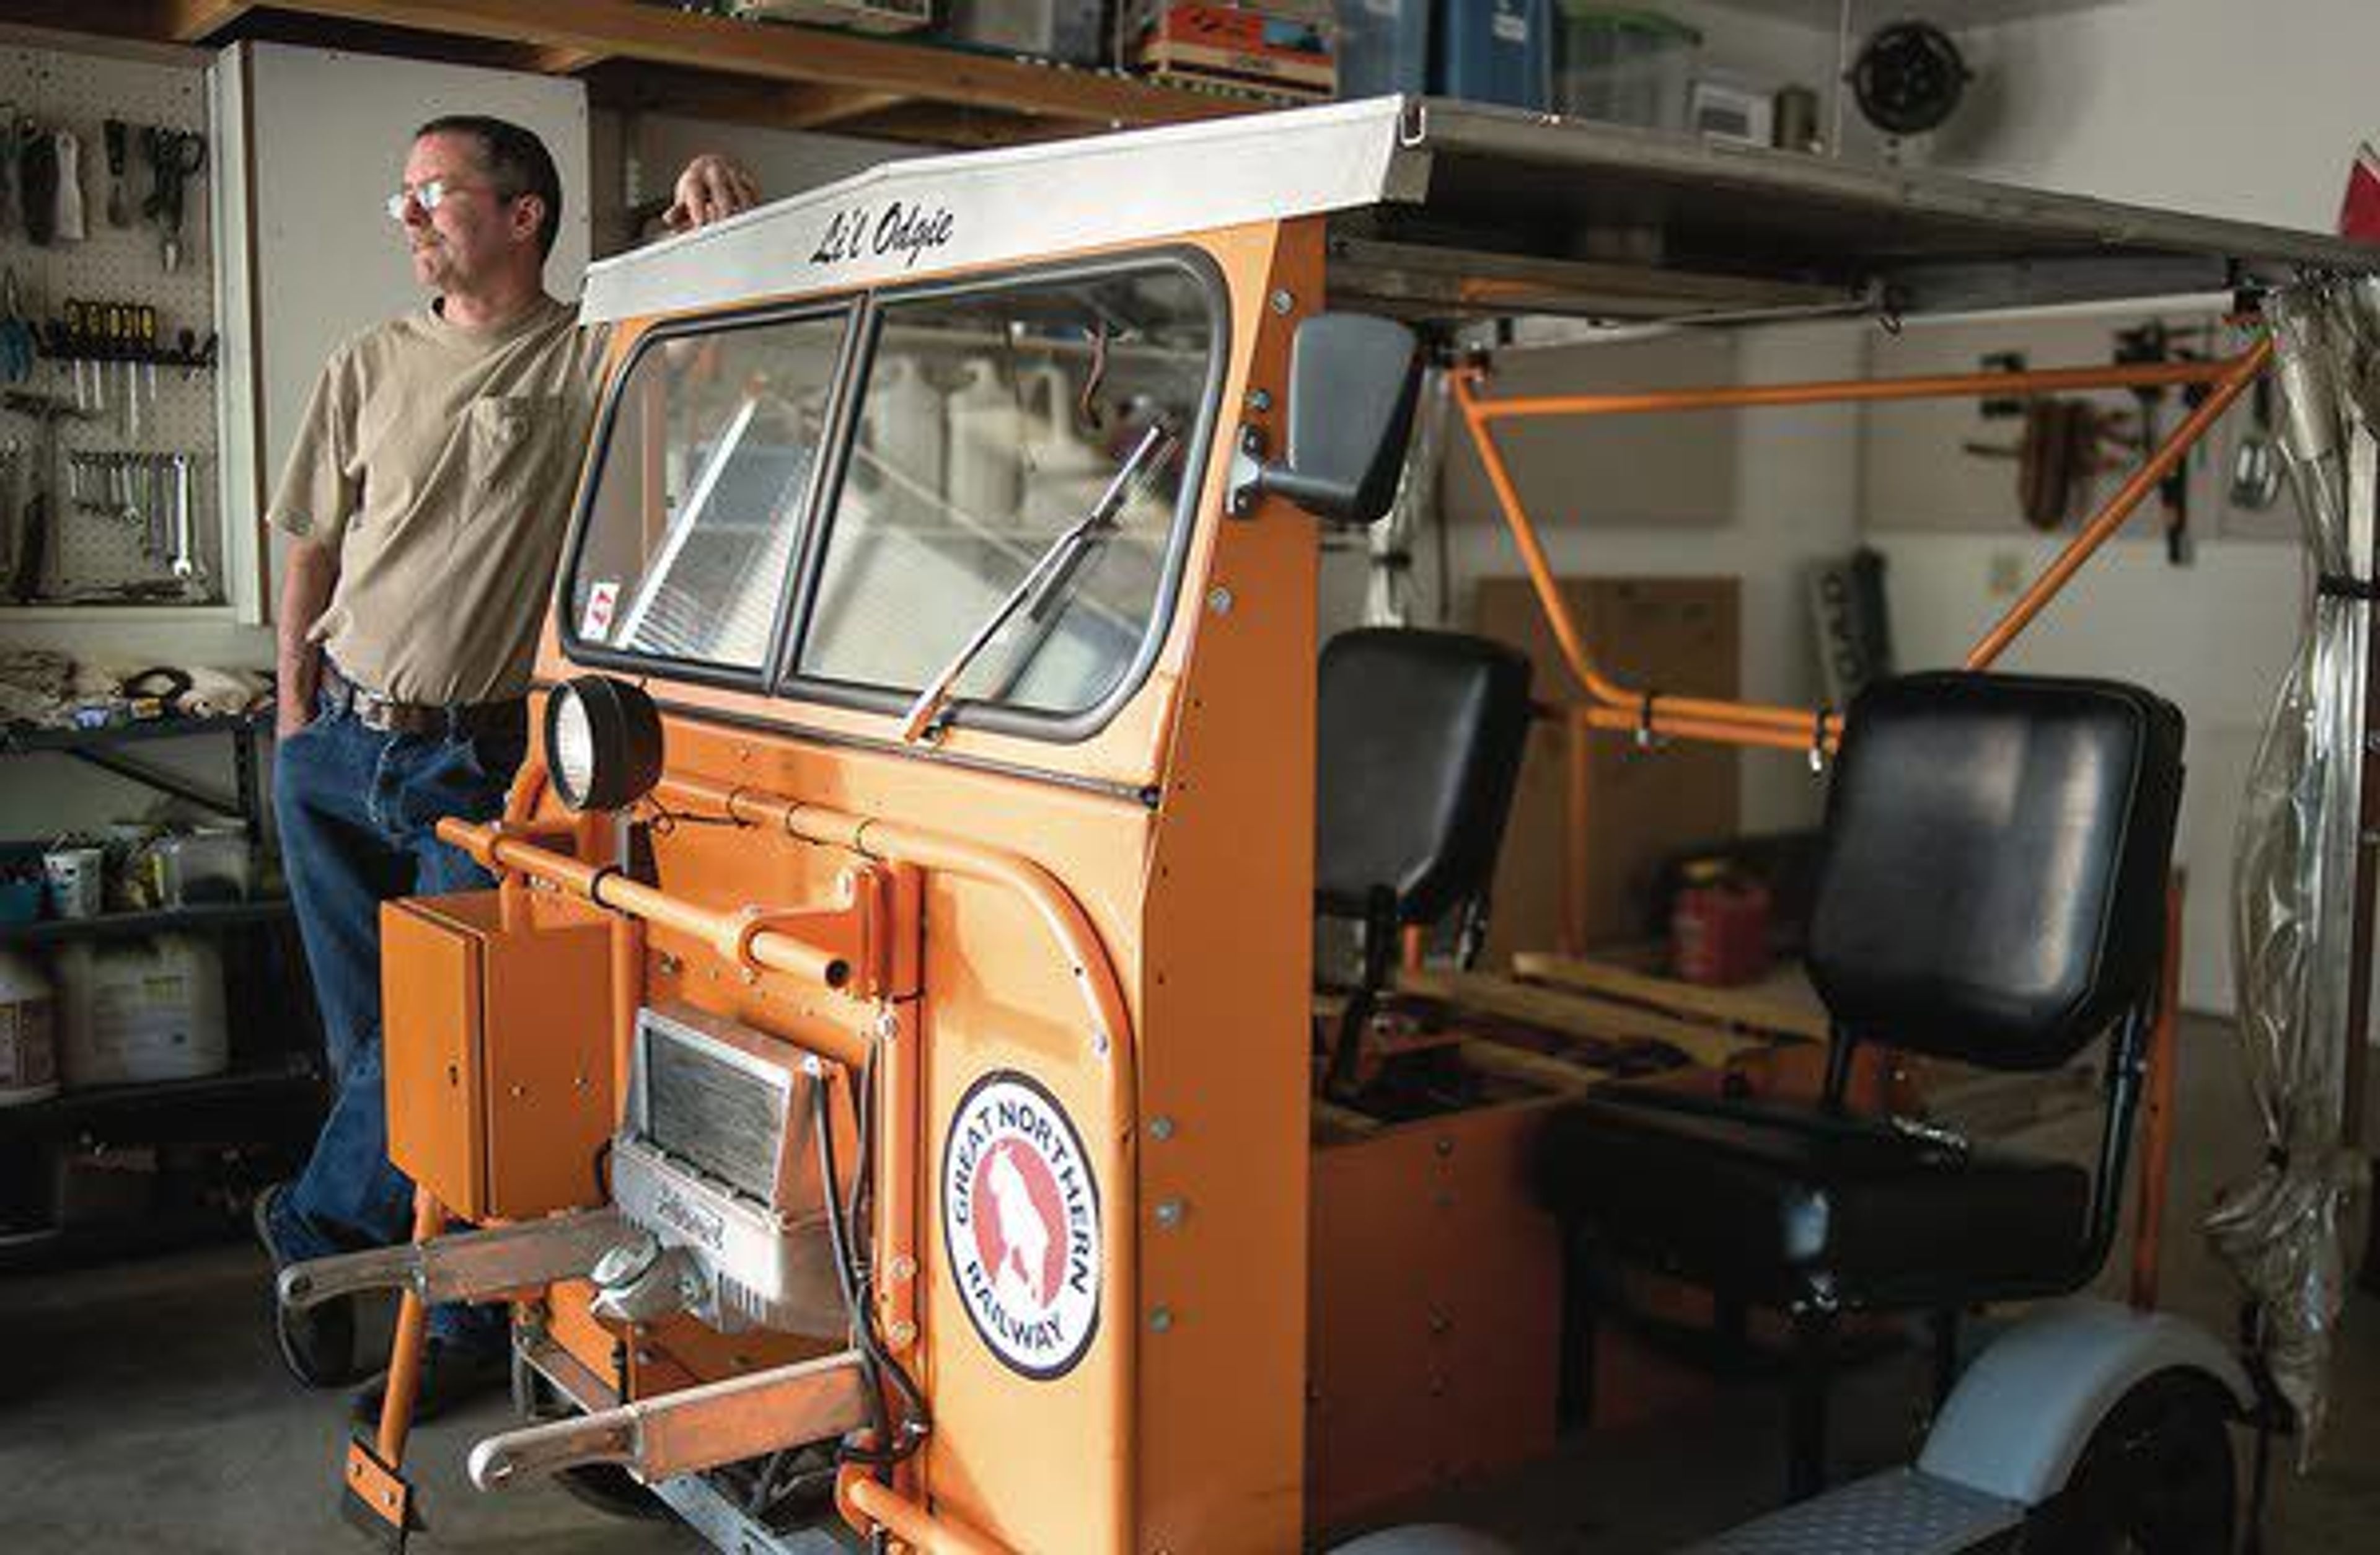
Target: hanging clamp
[1646,738]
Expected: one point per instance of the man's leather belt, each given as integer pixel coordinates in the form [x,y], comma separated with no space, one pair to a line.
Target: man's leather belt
[389,716]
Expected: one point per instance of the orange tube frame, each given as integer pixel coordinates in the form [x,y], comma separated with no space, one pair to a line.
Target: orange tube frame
[1616,707]
[1649,715]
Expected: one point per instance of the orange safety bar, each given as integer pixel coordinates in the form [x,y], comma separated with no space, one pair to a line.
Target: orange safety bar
[2239,372]
[1616,707]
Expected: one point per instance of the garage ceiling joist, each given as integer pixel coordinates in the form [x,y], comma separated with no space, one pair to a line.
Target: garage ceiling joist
[795,77]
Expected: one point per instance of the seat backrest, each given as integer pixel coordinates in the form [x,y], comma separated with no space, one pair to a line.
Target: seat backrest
[1993,883]
[1421,736]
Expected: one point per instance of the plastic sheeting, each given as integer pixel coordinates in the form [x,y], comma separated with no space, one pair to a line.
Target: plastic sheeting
[2293,910]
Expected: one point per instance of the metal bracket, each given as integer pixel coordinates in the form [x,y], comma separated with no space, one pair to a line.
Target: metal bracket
[1246,486]
[874,926]
[691,1429]
[467,1265]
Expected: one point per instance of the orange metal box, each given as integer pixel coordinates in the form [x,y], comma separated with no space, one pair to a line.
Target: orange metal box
[498,1052]
[1434,1310]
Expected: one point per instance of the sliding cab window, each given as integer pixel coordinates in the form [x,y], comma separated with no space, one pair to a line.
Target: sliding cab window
[1013,496]
[697,507]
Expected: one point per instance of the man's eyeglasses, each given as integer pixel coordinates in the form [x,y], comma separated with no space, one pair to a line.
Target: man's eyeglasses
[428,194]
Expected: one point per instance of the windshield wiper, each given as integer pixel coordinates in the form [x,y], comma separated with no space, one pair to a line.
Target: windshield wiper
[1049,573]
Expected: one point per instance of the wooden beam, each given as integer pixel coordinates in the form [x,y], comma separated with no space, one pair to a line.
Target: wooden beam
[1557,1077]
[548,60]
[1579,1015]
[1344,1121]
[195,21]
[1729,1005]
[703,94]
[815,107]
[935,124]
[624,29]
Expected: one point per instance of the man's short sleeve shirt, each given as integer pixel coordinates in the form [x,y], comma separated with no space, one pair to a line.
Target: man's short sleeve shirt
[440,463]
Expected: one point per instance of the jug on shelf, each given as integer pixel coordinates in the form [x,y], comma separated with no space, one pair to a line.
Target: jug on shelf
[986,432]
[1065,471]
[904,426]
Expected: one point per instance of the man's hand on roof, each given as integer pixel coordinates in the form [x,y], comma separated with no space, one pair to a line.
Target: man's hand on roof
[712,188]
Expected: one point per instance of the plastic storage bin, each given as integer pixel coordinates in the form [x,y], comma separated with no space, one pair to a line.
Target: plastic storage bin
[200,868]
[1624,67]
[1496,51]
[1072,31]
[1383,47]
[133,1012]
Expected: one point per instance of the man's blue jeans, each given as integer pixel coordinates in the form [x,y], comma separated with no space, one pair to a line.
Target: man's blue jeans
[358,811]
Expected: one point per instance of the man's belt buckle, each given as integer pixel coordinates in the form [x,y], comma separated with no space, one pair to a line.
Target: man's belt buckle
[376,713]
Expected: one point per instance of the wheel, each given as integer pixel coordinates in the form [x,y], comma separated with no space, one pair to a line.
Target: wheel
[2155,1478]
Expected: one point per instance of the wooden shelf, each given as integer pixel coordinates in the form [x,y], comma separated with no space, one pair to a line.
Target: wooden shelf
[655,58]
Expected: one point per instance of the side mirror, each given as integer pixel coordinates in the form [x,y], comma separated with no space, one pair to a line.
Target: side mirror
[1352,380]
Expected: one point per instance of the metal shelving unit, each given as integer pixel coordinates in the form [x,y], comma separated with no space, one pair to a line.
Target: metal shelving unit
[266,1104]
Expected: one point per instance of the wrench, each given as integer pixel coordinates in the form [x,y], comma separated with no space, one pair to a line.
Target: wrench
[186,565]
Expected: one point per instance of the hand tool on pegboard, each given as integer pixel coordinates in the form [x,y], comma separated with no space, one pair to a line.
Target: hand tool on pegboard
[37,180]
[30,580]
[116,133]
[175,156]
[19,349]
[11,206]
[2151,342]
[70,222]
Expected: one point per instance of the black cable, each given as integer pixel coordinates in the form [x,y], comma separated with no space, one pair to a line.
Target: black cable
[602,1177]
[916,1422]
[862,1192]
[863,1166]
[666,819]
[845,1278]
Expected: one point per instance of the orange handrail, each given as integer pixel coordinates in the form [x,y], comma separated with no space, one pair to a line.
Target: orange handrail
[865,1504]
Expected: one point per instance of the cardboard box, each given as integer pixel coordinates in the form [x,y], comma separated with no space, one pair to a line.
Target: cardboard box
[1270,48]
[1679,634]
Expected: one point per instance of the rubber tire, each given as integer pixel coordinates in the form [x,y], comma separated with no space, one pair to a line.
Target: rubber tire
[2155,1478]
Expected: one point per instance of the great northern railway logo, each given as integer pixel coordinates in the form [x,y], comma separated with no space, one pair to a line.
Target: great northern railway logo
[1021,1224]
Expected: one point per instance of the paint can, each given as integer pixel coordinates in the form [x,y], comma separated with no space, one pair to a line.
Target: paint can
[76,876]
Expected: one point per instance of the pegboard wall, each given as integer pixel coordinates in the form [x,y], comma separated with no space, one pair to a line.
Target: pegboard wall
[119,420]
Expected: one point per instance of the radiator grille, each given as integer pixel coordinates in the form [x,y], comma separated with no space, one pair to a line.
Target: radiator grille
[722,1118]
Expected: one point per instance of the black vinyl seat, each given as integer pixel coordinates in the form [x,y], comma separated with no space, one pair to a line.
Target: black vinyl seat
[1991,890]
[1420,738]
[1775,1212]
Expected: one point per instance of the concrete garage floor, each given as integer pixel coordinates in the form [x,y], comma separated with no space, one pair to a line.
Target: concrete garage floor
[141,1408]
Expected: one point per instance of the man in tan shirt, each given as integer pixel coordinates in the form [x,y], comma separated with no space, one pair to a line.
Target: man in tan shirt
[428,493]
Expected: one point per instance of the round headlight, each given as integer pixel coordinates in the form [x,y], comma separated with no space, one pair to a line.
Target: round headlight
[602,743]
